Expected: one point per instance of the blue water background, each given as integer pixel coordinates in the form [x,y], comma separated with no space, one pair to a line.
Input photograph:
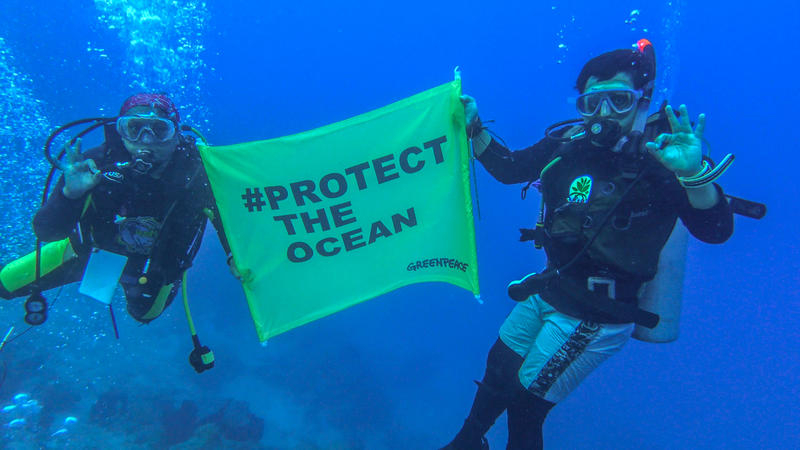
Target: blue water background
[396,372]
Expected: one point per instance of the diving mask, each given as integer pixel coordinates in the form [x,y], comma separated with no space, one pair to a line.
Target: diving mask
[135,128]
[620,101]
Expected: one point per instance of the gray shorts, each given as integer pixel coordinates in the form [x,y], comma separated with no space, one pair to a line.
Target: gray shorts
[559,351]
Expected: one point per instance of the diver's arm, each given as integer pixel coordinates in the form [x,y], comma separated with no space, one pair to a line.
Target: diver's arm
[703,197]
[713,224]
[508,167]
[56,219]
[216,221]
[519,166]
[480,142]
[703,209]
[212,212]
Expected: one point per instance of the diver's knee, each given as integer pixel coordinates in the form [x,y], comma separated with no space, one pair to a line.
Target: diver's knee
[502,366]
[144,306]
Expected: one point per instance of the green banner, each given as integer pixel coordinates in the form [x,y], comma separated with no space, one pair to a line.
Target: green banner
[322,220]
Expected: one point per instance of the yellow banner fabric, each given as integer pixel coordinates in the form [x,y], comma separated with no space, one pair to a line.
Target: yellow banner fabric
[322,220]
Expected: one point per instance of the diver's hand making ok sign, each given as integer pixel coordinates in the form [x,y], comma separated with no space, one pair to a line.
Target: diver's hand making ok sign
[80,175]
[682,150]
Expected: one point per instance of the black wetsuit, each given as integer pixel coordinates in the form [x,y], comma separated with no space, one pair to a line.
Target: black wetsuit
[579,191]
[630,242]
[157,223]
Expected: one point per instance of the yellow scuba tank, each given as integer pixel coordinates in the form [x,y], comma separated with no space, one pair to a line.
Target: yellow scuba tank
[22,272]
[664,293]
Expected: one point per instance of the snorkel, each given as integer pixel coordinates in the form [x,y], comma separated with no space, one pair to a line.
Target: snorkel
[632,142]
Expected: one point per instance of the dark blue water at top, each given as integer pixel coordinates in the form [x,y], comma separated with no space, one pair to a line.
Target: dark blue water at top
[396,372]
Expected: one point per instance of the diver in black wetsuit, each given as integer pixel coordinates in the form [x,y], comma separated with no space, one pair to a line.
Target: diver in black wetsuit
[143,194]
[609,206]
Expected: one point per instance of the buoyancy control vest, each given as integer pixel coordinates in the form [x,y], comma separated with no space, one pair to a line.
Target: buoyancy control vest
[605,217]
[584,183]
[146,218]
[582,188]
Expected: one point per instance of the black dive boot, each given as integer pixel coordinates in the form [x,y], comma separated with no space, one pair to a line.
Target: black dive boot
[486,408]
[499,387]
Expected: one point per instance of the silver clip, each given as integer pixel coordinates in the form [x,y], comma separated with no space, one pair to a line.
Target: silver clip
[591,282]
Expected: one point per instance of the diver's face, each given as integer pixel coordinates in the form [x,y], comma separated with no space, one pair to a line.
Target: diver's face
[147,147]
[620,81]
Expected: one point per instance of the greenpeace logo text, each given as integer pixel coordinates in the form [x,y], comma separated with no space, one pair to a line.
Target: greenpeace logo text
[437,262]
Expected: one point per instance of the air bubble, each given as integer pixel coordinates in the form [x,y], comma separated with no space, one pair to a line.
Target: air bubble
[164,48]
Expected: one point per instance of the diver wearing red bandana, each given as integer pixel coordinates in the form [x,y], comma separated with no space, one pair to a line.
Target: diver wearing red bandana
[148,125]
[143,194]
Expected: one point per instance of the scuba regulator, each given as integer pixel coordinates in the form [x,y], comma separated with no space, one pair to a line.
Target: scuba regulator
[142,163]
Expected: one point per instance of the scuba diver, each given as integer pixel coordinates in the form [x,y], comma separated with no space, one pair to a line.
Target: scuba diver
[142,196]
[613,184]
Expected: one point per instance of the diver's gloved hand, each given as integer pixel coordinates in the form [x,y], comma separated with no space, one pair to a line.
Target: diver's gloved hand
[470,109]
[682,150]
[475,129]
[244,276]
[80,175]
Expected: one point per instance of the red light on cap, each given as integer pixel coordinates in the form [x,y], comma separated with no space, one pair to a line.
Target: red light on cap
[642,44]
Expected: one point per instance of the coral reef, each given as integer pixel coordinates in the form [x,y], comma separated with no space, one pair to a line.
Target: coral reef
[237,422]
